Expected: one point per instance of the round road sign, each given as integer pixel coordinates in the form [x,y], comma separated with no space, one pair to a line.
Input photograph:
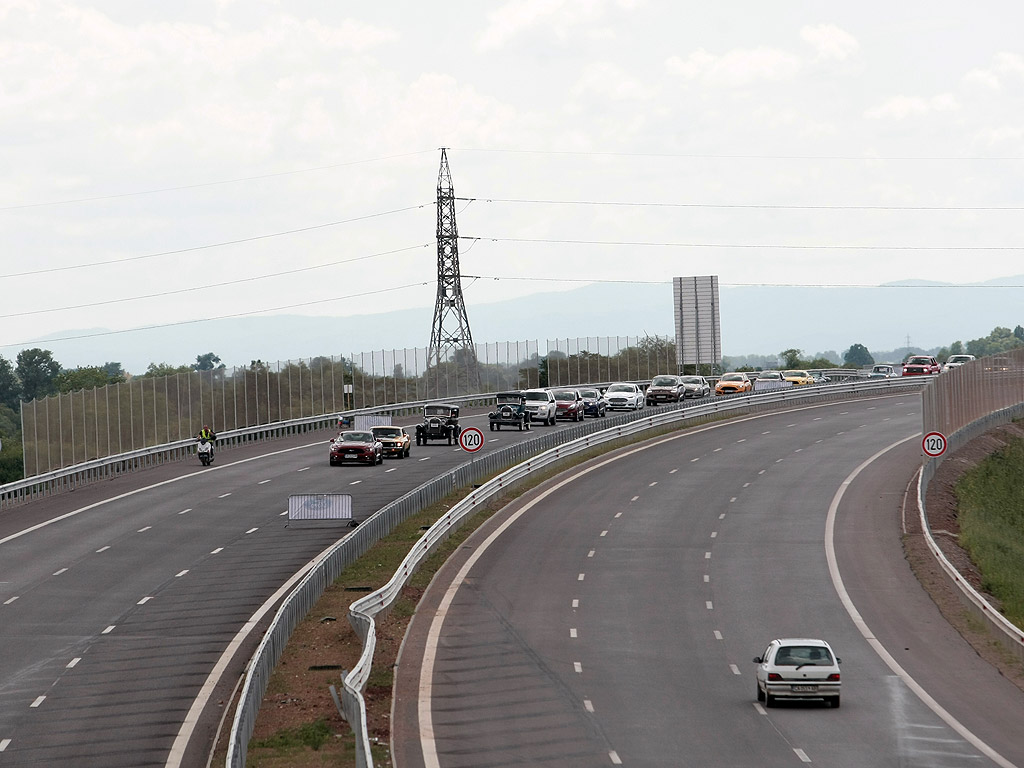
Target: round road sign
[934,444]
[471,439]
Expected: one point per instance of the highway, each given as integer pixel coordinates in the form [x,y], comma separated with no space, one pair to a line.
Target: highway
[611,616]
[118,600]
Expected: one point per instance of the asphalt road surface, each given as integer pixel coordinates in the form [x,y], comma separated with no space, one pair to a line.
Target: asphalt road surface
[611,616]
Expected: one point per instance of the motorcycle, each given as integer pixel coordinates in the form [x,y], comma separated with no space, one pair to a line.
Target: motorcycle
[205,452]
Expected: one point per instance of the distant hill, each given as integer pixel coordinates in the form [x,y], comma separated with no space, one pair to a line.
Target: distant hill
[755,320]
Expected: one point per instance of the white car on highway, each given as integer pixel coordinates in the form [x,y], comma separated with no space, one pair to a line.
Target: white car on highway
[541,405]
[624,396]
[797,668]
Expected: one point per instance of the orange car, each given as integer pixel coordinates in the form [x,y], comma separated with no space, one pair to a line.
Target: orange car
[731,383]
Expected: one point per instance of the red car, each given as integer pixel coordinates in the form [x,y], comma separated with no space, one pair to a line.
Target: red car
[569,404]
[360,447]
[921,365]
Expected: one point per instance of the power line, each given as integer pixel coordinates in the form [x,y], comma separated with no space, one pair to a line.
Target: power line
[191,249]
[774,246]
[730,285]
[752,206]
[219,317]
[209,183]
[212,285]
[697,156]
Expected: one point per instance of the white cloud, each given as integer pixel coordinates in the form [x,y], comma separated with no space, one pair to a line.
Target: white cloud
[736,68]
[556,16]
[830,41]
[902,107]
[985,78]
[608,81]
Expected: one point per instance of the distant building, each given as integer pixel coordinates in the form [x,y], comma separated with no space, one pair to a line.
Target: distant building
[698,324]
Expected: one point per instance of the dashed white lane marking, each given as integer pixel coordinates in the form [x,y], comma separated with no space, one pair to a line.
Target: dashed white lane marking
[618,514]
[693,460]
[840,433]
[302,469]
[714,534]
[74,662]
[762,472]
[742,440]
[355,482]
[224,495]
[779,461]
[798,450]
[871,408]
[672,471]
[108,630]
[590,553]
[425,458]
[588,705]
[709,605]
[390,470]
[732,500]
[572,632]
[818,441]
[262,482]
[651,485]
[634,498]
[746,485]
[217,550]
[707,578]
[718,635]
[604,533]
[578,667]
[817,418]
[143,530]
[179,574]
[614,757]
[707,555]
[59,572]
[760,710]
[735,669]
[844,413]
[767,433]
[722,516]
[576,602]
[716,450]
[39,700]
[802,755]
[102,549]
[251,530]
[10,600]
[185,511]
[4,744]
[144,600]
[283,513]
[580,577]
[791,425]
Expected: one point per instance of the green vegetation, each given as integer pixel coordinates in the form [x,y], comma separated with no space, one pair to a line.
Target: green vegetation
[312,735]
[991,500]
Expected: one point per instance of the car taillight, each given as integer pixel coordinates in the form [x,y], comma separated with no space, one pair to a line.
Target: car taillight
[834,677]
[774,677]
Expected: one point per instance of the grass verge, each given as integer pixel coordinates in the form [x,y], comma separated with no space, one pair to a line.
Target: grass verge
[991,512]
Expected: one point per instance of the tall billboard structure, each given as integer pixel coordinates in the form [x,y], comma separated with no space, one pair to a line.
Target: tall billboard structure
[698,325]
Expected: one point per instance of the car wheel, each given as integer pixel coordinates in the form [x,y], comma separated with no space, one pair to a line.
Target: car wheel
[769,699]
[835,702]
[760,693]
[520,426]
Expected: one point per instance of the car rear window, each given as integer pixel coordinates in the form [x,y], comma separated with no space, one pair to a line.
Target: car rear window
[799,655]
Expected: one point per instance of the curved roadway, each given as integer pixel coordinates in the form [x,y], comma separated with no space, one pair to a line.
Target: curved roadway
[118,600]
[610,617]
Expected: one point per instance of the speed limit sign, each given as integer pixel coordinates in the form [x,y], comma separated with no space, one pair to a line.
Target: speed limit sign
[471,439]
[934,444]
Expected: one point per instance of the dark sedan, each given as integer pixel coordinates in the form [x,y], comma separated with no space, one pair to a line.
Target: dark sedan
[360,447]
[593,403]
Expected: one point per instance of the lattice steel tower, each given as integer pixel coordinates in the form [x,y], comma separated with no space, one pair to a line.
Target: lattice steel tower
[451,325]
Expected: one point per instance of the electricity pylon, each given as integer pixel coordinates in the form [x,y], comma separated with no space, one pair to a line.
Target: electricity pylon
[450,339]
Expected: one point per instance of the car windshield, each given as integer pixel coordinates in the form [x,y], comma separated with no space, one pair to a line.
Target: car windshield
[513,399]
[795,374]
[590,394]
[565,397]
[437,410]
[960,359]
[691,380]
[663,381]
[732,377]
[387,431]
[800,655]
[769,375]
[536,395]
[356,437]
[620,388]
[919,361]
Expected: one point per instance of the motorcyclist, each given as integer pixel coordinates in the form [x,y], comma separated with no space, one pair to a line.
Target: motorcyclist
[208,435]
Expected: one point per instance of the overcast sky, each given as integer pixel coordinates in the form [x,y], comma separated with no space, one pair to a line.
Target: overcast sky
[150,153]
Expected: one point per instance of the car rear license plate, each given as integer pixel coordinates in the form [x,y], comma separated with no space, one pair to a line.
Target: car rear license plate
[805,689]
[351,455]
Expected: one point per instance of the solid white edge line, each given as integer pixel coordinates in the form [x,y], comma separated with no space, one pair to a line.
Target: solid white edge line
[844,597]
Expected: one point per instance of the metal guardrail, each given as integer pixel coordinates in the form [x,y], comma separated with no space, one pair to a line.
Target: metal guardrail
[524,458]
[70,478]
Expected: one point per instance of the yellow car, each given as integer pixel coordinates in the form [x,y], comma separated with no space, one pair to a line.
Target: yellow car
[798,377]
[731,383]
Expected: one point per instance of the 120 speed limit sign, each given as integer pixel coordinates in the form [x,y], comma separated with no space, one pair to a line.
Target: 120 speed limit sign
[934,444]
[471,439]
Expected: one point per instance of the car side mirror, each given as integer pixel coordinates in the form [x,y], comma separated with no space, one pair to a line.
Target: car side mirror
[758,660]
[838,660]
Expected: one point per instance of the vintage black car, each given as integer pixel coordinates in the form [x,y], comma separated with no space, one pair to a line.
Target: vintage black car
[440,422]
[510,411]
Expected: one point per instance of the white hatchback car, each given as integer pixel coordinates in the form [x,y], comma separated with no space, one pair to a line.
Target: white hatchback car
[625,396]
[798,668]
